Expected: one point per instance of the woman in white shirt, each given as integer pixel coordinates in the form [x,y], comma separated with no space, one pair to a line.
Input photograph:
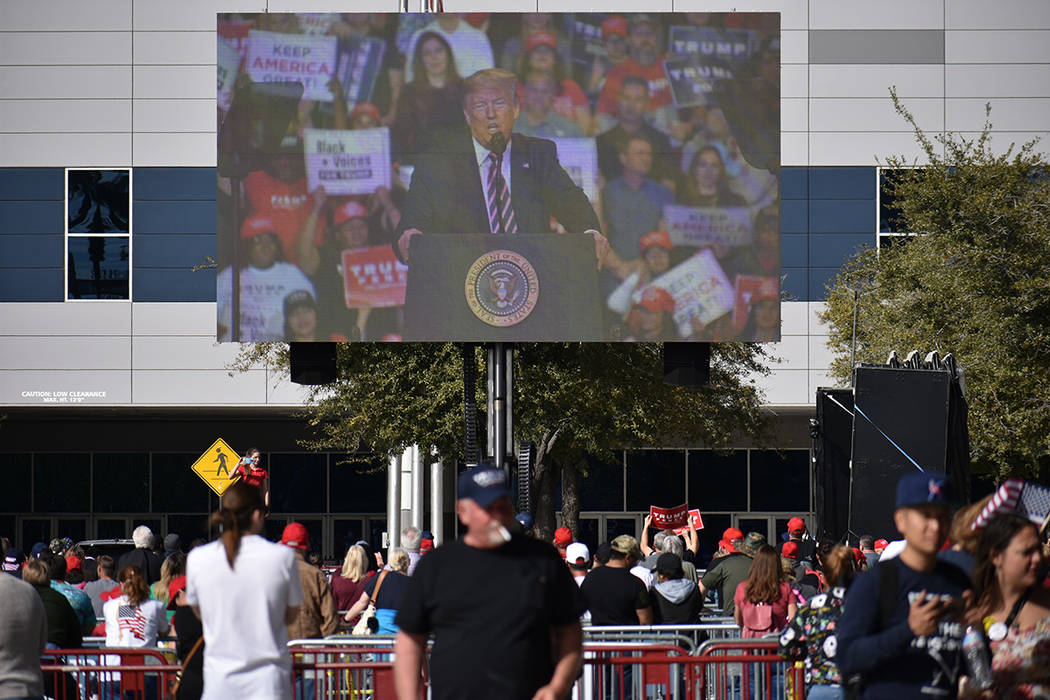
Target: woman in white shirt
[132,620]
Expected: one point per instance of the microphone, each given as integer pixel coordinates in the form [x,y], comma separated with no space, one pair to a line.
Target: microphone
[498,144]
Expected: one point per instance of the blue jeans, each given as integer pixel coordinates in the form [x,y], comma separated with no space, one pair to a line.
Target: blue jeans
[824,692]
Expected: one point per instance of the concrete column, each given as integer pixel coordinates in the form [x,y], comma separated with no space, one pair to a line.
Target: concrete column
[437,502]
[418,484]
[393,503]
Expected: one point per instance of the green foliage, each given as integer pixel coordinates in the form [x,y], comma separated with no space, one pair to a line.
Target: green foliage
[975,283]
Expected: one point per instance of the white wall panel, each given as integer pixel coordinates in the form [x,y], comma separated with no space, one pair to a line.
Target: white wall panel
[857,148]
[65,15]
[820,355]
[873,114]
[167,352]
[173,318]
[42,116]
[794,148]
[1001,140]
[175,48]
[785,387]
[794,114]
[60,352]
[347,6]
[997,46]
[1001,14]
[862,80]
[284,393]
[171,149]
[794,318]
[175,115]
[173,82]
[814,309]
[793,13]
[65,150]
[1003,80]
[792,352]
[819,378]
[14,383]
[794,46]
[794,81]
[188,14]
[65,48]
[1023,114]
[622,6]
[198,387]
[66,82]
[884,14]
[58,319]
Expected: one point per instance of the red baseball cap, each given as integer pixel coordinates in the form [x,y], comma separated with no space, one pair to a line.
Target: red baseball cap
[256,226]
[614,25]
[880,545]
[563,537]
[351,210]
[295,535]
[366,108]
[656,300]
[541,39]
[177,584]
[655,238]
[796,525]
[73,563]
[728,536]
[789,549]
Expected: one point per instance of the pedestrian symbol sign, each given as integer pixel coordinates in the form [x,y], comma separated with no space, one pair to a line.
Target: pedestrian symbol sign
[216,466]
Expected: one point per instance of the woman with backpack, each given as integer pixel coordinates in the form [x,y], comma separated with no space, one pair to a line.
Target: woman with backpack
[764,602]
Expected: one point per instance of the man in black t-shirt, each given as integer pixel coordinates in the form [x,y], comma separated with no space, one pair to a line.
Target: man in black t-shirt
[613,594]
[502,607]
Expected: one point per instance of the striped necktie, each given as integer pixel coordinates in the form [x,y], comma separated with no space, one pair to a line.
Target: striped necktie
[501,215]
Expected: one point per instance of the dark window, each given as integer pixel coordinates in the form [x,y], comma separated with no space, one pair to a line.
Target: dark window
[714,526]
[98,267]
[176,488]
[111,528]
[314,527]
[7,528]
[152,523]
[655,478]
[35,530]
[121,483]
[781,528]
[345,532]
[376,528]
[358,484]
[14,496]
[188,528]
[780,481]
[614,527]
[73,528]
[589,533]
[718,482]
[274,528]
[601,484]
[98,201]
[62,483]
[297,483]
[759,525]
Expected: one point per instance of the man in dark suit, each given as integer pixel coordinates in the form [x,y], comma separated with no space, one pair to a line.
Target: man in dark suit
[471,185]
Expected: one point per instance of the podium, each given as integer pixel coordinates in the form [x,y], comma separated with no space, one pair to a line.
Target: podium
[503,287]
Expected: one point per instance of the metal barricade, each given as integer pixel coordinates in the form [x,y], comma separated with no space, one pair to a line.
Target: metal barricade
[638,671]
[695,634]
[343,667]
[745,669]
[107,674]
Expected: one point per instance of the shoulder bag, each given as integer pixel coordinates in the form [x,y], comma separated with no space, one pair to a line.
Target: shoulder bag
[368,624]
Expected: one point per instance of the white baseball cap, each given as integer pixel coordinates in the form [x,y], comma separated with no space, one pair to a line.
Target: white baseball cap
[577,553]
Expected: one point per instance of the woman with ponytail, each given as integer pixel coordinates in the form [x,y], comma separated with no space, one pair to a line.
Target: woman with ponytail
[245,591]
[133,619]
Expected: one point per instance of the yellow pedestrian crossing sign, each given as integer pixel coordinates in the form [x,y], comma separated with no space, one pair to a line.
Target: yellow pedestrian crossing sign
[216,466]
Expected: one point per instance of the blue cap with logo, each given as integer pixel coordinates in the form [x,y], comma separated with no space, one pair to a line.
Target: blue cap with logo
[483,484]
[525,519]
[922,489]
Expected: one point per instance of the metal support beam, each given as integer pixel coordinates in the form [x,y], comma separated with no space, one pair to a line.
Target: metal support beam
[418,484]
[437,505]
[499,402]
[393,503]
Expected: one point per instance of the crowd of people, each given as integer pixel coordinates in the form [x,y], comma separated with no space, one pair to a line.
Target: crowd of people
[879,620]
[636,135]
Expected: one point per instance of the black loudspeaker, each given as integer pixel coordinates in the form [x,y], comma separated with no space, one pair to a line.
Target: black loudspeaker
[312,363]
[687,364]
[832,434]
[900,425]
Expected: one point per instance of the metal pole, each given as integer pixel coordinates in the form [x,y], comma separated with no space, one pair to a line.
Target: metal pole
[393,503]
[499,406]
[417,487]
[437,512]
[490,402]
[508,395]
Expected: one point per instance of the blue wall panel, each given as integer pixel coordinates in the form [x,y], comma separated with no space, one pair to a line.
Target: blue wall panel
[833,249]
[34,251]
[31,285]
[793,250]
[175,217]
[794,182]
[794,216]
[32,183]
[842,216]
[32,217]
[818,277]
[794,283]
[174,285]
[842,183]
[172,184]
[172,251]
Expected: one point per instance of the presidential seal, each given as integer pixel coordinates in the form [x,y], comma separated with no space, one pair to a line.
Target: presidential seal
[502,288]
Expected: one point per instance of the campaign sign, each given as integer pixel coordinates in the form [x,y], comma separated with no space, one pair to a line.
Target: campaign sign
[694,519]
[700,290]
[293,58]
[669,518]
[317,23]
[347,162]
[711,42]
[357,67]
[579,158]
[693,78]
[749,289]
[586,31]
[373,277]
[699,226]
[229,61]
[235,32]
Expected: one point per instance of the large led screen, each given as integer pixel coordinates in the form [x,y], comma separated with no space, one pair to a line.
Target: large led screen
[497,176]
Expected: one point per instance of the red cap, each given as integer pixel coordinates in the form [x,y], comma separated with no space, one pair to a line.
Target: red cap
[541,39]
[858,556]
[256,225]
[177,584]
[796,525]
[73,563]
[614,25]
[351,210]
[295,535]
[425,545]
[656,300]
[657,238]
[563,537]
[728,536]
[789,549]
[366,108]
[880,545]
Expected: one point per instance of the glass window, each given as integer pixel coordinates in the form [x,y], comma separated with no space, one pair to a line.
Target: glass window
[589,533]
[35,530]
[98,228]
[298,482]
[316,530]
[780,480]
[62,483]
[274,527]
[759,525]
[111,528]
[176,488]
[601,484]
[188,528]
[121,483]
[614,527]
[345,532]
[14,496]
[376,528]
[718,482]
[893,230]
[358,484]
[714,525]
[73,528]
[655,478]
[7,528]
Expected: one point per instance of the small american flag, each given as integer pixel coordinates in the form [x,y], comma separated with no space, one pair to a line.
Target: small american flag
[1028,500]
[130,619]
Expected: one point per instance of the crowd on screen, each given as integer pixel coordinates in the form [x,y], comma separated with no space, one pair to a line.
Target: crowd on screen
[715,153]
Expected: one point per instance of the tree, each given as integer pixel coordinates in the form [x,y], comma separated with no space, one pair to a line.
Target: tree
[570,399]
[974,282]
